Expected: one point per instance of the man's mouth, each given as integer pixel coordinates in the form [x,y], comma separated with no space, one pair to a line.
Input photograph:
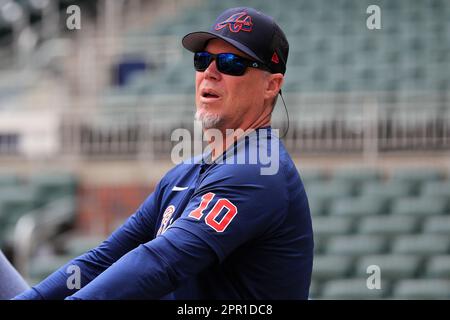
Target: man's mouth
[209,94]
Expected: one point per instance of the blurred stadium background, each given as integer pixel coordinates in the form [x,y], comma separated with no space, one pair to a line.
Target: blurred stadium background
[86,117]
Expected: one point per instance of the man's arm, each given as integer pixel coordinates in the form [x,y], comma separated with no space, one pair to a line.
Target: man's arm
[138,229]
[152,270]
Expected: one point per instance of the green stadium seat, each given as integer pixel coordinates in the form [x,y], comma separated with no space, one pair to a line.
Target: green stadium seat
[438,267]
[167,100]
[317,206]
[42,266]
[356,245]
[119,98]
[437,188]
[388,225]
[328,30]
[8,180]
[423,206]
[357,176]
[422,289]
[422,244]
[14,202]
[58,215]
[392,267]
[310,112]
[386,190]
[357,206]
[312,175]
[416,176]
[78,245]
[331,226]
[62,211]
[53,185]
[314,290]
[5,233]
[322,193]
[319,243]
[355,288]
[329,267]
[438,225]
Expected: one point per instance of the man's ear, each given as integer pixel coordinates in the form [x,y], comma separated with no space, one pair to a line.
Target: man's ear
[273,85]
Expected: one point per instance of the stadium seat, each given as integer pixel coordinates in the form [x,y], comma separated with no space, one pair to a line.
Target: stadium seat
[436,188]
[391,266]
[422,206]
[14,202]
[330,226]
[388,225]
[422,289]
[320,242]
[357,176]
[386,190]
[176,102]
[119,99]
[329,267]
[328,191]
[438,267]
[53,185]
[311,176]
[8,180]
[76,245]
[355,288]
[438,225]
[314,290]
[357,206]
[422,244]
[356,245]
[317,206]
[416,176]
[42,266]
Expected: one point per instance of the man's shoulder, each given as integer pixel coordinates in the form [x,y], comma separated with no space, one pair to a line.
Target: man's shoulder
[268,174]
[180,169]
[262,152]
[186,164]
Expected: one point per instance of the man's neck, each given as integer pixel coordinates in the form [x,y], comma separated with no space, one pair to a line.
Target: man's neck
[230,136]
[219,146]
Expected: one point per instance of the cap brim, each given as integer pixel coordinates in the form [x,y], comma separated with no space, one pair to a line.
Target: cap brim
[196,41]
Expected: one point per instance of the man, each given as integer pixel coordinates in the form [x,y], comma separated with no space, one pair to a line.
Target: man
[214,228]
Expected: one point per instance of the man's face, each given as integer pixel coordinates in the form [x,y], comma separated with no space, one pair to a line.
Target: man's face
[228,102]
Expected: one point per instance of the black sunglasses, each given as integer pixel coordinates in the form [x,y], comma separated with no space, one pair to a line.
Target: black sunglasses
[227,63]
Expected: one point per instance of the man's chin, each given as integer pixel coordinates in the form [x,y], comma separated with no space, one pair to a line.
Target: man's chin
[208,120]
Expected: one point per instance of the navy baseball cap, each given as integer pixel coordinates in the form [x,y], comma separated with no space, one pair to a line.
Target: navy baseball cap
[249,31]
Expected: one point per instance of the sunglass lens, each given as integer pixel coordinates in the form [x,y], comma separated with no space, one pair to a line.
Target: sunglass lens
[202,60]
[230,64]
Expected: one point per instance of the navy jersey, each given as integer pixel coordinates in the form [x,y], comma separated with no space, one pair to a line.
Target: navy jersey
[210,230]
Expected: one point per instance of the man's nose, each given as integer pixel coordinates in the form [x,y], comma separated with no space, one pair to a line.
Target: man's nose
[211,72]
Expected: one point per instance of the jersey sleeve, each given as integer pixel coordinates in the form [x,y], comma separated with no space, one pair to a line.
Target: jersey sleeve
[152,270]
[139,228]
[234,204]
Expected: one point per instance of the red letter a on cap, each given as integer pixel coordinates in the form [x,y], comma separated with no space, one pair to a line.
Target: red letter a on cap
[275,58]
